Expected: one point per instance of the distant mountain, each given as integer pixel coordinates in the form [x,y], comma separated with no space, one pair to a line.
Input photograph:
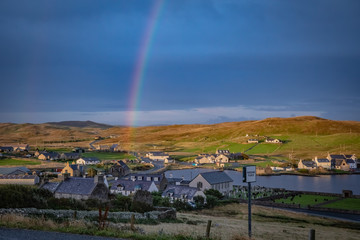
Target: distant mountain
[80,124]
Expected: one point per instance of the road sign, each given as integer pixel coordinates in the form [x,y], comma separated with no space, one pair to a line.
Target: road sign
[249,174]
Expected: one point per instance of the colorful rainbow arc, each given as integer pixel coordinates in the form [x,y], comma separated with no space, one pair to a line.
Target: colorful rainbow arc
[140,67]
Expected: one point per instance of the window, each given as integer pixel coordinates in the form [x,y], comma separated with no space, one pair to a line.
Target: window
[199,185]
[156,179]
[140,178]
[148,179]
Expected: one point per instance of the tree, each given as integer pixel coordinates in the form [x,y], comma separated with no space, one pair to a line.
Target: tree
[214,193]
[199,201]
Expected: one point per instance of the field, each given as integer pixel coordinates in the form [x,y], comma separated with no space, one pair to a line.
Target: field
[348,204]
[18,162]
[305,199]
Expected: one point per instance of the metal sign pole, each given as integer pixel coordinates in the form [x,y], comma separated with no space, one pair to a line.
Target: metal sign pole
[249,208]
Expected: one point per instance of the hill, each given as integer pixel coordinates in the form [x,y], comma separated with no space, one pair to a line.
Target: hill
[79,124]
[305,136]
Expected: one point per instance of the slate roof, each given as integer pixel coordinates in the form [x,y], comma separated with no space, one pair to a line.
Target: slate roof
[309,163]
[349,161]
[10,170]
[75,185]
[337,156]
[18,177]
[216,177]
[180,192]
[90,159]
[51,186]
[323,160]
[71,155]
[122,164]
[145,176]
[131,185]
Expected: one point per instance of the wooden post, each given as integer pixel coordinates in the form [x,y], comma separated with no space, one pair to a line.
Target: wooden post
[132,222]
[312,234]
[208,229]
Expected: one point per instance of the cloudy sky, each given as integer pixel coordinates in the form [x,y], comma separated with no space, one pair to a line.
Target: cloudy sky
[206,61]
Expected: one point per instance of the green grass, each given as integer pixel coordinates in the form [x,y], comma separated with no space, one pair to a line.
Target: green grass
[305,199]
[11,161]
[108,155]
[347,204]
[264,148]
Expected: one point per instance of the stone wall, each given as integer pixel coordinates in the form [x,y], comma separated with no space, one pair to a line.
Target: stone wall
[159,213]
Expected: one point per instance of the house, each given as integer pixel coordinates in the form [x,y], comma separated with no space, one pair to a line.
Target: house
[183,193]
[253,141]
[323,162]
[157,156]
[159,179]
[119,169]
[220,151]
[340,164]
[75,170]
[127,187]
[306,164]
[221,158]
[70,156]
[38,152]
[205,158]
[78,150]
[14,171]
[88,161]
[49,156]
[79,188]
[17,147]
[352,164]
[115,148]
[236,156]
[217,180]
[19,179]
[272,140]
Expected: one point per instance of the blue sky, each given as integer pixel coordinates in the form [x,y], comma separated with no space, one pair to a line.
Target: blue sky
[210,60]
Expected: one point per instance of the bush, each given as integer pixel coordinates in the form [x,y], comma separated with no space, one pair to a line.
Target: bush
[140,207]
[122,203]
[199,202]
[214,193]
[211,201]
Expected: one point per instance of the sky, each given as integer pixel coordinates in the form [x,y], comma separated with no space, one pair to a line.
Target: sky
[162,62]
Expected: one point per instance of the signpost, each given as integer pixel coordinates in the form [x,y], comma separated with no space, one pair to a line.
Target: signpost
[249,176]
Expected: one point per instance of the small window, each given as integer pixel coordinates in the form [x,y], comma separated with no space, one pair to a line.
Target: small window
[140,178]
[199,185]
[148,179]
[156,179]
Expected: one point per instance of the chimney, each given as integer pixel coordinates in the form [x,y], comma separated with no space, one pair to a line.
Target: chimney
[99,179]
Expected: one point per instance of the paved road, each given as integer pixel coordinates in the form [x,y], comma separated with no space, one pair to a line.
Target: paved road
[21,234]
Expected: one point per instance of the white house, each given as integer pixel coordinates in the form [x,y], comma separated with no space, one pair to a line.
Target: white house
[307,164]
[183,193]
[213,180]
[88,161]
[127,187]
[323,162]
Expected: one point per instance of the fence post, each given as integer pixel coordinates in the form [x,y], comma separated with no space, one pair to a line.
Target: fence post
[208,229]
[132,222]
[312,234]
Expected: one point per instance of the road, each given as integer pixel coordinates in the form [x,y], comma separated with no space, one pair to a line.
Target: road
[21,234]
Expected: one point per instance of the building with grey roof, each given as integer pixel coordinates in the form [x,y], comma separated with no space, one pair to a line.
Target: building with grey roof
[119,169]
[19,179]
[217,180]
[159,179]
[88,161]
[79,188]
[14,171]
[183,193]
[127,187]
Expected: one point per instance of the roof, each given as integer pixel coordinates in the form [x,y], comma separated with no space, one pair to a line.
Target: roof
[75,185]
[337,156]
[18,177]
[51,186]
[308,163]
[216,177]
[180,191]
[71,154]
[122,164]
[152,176]
[158,154]
[323,160]
[10,170]
[76,167]
[129,185]
[349,160]
[90,159]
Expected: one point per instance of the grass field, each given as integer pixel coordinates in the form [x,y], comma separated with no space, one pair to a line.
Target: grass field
[305,200]
[11,161]
[347,203]
[264,148]
[108,155]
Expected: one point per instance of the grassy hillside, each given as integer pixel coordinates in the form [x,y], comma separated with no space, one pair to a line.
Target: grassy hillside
[305,137]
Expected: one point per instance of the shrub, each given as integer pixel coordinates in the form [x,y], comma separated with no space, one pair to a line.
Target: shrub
[122,203]
[214,193]
[211,201]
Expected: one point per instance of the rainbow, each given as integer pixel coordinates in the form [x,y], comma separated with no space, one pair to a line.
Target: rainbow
[141,64]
